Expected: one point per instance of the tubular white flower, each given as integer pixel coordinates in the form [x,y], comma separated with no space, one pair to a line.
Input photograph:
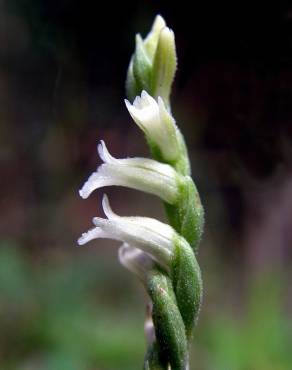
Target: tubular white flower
[157,123]
[137,173]
[147,234]
[135,260]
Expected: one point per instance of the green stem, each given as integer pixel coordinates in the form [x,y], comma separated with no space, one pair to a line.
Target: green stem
[168,322]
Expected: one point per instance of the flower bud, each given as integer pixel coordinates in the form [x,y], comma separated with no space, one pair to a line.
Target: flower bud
[158,125]
[153,64]
[151,39]
[164,65]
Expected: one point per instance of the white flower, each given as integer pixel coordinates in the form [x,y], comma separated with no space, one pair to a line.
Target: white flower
[137,173]
[135,260]
[157,123]
[147,234]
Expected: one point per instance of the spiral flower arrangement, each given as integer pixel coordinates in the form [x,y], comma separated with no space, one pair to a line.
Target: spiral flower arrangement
[162,256]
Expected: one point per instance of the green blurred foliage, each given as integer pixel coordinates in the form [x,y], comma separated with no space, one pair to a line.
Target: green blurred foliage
[257,338]
[50,317]
[59,316]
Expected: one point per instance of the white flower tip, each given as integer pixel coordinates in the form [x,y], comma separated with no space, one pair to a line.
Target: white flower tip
[139,39]
[82,240]
[100,149]
[83,193]
[144,94]
[158,23]
[147,99]
[104,154]
[167,31]
[89,186]
[167,34]
[132,108]
[96,232]
[128,104]
[160,102]
[141,105]
[107,208]
[137,103]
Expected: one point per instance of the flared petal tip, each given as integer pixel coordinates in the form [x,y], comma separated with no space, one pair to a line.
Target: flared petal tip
[104,154]
[82,240]
[129,105]
[107,208]
[83,193]
[145,95]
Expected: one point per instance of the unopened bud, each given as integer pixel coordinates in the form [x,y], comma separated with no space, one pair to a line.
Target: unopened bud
[153,64]
[164,65]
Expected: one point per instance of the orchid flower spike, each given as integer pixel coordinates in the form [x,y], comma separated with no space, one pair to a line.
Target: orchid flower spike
[158,125]
[137,173]
[161,255]
[147,234]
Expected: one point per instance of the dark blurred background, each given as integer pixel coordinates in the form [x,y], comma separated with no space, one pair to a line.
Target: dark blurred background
[62,71]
